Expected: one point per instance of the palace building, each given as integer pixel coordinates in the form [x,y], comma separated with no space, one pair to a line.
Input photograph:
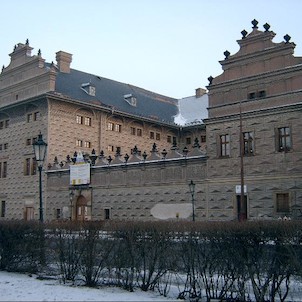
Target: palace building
[238,142]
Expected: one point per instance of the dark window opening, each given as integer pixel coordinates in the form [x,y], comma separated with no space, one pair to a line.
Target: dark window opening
[107,214]
[282,202]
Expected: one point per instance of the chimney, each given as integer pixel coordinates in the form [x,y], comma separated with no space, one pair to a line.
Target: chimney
[199,92]
[63,61]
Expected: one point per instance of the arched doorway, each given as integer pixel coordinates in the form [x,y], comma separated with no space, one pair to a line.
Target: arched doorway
[81,208]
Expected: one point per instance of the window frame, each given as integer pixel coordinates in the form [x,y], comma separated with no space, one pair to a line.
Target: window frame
[188,140]
[87,121]
[248,143]
[79,119]
[139,132]
[284,140]
[110,126]
[87,144]
[224,145]
[118,128]
[280,199]
[79,143]
[4,169]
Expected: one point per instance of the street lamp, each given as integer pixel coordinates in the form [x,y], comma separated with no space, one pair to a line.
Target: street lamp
[40,147]
[192,191]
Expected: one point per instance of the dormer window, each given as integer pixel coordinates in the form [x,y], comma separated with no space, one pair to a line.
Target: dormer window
[130,99]
[88,88]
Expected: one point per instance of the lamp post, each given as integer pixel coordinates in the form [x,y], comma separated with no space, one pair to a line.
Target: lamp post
[242,209]
[192,191]
[40,147]
[71,195]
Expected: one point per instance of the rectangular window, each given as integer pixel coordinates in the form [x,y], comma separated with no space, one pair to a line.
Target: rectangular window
[151,134]
[203,139]
[252,95]
[110,126]
[157,136]
[118,128]
[87,121]
[139,132]
[27,166]
[1,125]
[169,139]
[6,123]
[79,119]
[284,139]
[3,208]
[188,140]
[110,148]
[224,145]
[1,147]
[79,143]
[29,117]
[118,150]
[4,169]
[58,213]
[36,116]
[282,202]
[262,94]
[29,213]
[87,144]
[5,146]
[132,131]
[248,143]
[28,142]
[34,166]
[107,214]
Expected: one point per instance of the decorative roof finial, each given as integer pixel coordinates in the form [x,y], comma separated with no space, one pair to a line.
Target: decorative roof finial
[154,148]
[287,38]
[266,26]
[244,33]
[255,23]
[227,54]
[210,79]
[39,52]
[196,143]
[27,42]
[135,150]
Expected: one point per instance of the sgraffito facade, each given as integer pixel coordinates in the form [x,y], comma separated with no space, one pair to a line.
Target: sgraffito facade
[250,139]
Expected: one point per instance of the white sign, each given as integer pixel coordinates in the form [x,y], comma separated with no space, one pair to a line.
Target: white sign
[80,174]
[238,189]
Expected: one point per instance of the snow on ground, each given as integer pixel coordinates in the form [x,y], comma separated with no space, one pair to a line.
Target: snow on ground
[22,287]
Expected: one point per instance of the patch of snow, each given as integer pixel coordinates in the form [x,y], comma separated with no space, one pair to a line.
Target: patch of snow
[192,110]
[22,287]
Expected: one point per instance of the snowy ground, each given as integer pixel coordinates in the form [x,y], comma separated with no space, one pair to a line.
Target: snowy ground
[21,287]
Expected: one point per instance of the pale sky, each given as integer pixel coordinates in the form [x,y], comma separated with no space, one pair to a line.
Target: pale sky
[167,46]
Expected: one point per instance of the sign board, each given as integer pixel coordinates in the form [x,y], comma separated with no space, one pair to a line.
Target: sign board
[80,174]
[238,189]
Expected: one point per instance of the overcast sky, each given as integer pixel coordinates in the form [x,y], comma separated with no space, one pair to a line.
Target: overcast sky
[166,46]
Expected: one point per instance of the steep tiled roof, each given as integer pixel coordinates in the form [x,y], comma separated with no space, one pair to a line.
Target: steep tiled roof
[112,93]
